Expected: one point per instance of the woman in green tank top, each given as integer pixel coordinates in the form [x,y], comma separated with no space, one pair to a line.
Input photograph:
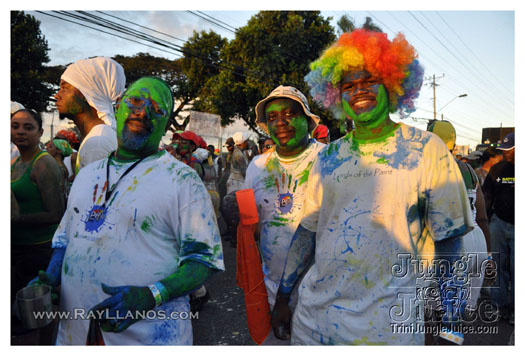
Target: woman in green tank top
[37,200]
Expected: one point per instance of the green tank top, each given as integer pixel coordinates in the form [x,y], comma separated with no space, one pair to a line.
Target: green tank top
[30,202]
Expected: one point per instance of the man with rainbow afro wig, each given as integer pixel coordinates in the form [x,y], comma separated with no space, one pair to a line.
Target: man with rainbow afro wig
[374,199]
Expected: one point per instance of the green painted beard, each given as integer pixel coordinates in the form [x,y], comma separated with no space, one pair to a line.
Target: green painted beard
[374,117]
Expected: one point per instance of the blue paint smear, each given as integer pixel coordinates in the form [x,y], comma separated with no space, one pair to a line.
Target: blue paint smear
[330,160]
[338,307]
[406,155]
[164,333]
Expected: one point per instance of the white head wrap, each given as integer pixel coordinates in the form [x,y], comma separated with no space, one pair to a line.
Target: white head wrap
[101,80]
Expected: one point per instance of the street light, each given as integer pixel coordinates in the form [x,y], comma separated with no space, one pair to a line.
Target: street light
[454,98]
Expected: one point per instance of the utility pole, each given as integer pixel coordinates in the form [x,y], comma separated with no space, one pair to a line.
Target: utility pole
[434,85]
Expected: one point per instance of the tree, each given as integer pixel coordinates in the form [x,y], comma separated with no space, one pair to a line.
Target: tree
[28,54]
[275,47]
[201,64]
[345,24]
[371,26]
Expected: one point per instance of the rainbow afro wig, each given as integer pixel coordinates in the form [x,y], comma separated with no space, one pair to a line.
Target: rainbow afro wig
[394,62]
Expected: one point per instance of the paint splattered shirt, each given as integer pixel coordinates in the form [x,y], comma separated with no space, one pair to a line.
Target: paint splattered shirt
[369,204]
[158,216]
[98,144]
[279,185]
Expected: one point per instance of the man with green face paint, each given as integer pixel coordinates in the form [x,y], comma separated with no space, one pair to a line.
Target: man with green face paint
[278,179]
[130,247]
[373,197]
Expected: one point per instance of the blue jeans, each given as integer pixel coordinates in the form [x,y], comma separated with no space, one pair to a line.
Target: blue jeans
[502,243]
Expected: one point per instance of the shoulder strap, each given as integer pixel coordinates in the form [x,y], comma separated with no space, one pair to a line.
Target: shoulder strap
[38,156]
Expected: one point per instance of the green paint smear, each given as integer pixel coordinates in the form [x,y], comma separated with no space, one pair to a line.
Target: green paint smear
[269,182]
[274,223]
[273,165]
[382,160]
[303,177]
[281,219]
[146,224]
[192,246]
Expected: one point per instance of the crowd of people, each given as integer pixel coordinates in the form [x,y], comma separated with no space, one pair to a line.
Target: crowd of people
[119,224]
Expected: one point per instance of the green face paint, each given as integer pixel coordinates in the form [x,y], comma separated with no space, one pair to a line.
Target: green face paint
[142,117]
[374,117]
[375,123]
[300,124]
[287,125]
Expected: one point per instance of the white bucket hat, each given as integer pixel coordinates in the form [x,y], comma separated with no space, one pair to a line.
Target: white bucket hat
[240,137]
[290,93]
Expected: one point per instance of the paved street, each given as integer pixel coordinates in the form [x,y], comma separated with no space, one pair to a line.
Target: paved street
[222,321]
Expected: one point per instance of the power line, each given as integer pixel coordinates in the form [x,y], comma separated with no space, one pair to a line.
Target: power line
[154,40]
[474,54]
[210,21]
[144,27]
[217,20]
[235,69]
[102,31]
[453,78]
[444,46]
[479,74]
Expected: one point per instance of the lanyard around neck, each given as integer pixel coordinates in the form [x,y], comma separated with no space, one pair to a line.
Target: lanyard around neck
[110,191]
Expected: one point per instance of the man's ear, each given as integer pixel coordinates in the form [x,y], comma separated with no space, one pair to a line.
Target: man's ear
[117,104]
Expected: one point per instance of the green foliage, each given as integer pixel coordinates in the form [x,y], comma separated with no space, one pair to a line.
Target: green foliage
[28,54]
[202,64]
[345,24]
[274,48]
[371,26]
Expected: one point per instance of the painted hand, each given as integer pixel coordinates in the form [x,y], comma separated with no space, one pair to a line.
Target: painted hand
[48,279]
[281,317]
[125,303]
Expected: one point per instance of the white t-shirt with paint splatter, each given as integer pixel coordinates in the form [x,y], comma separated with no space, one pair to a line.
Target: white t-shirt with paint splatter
[158,216]
[98,144]
[369,204]
[279,185]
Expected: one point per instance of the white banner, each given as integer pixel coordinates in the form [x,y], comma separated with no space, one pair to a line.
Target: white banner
[205,124]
